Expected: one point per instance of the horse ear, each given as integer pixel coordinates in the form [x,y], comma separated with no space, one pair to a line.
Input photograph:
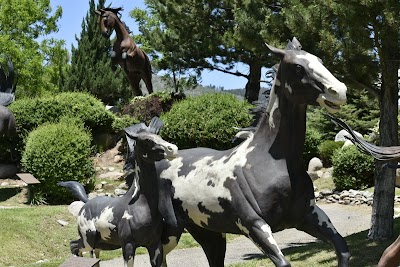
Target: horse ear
[276,51]
[97,12]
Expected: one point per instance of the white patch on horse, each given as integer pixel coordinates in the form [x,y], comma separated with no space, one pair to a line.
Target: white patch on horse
[172,243]
[129,263]
[273,103]
[242,227]
[267,229]
[127,215]
[202,175]
[322,74]
[322,217]
[288,87]
[103,223]
[157,253]
[85,226]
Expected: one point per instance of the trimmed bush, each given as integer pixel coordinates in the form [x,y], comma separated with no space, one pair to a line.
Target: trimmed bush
[58,152]
[352,169]
[31,113]
[206,121]
[312,141]
[326,149]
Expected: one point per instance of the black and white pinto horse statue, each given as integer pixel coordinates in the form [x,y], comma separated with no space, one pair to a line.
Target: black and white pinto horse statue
[133,220]
[260,186]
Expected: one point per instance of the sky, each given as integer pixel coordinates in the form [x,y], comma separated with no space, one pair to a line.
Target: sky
[70,24]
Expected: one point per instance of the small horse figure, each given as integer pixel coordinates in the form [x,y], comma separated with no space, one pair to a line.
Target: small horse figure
[260,186]
[133,220]
[125,53]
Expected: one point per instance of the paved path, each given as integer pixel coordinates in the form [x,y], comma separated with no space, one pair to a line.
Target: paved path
[346,219]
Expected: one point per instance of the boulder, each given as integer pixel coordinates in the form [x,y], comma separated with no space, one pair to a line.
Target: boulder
[314,165]
[340,136]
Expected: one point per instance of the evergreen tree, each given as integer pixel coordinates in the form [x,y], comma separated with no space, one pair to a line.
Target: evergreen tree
[90,69]
[214,35]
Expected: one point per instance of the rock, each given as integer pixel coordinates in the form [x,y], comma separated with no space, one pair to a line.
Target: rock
[75,207]
[8,170]
[340,136]
[119,192]
[118,158]
[315,164]
[62,223]
[111,175]
[347,143]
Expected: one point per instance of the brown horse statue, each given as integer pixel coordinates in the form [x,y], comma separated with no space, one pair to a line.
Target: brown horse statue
[125,53]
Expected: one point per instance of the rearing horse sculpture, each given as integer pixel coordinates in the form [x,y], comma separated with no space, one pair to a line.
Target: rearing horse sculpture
[260,186]
[125,53]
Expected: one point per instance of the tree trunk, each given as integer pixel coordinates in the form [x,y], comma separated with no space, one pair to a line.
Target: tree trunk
[385,178]
[253,83]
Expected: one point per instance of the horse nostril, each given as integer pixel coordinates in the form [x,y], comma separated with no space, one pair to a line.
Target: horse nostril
[332,91]
[170,148]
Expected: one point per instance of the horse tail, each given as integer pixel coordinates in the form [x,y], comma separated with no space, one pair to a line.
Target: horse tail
[76,189]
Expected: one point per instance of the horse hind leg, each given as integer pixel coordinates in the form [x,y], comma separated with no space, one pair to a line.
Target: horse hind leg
[213,244]
[318,224]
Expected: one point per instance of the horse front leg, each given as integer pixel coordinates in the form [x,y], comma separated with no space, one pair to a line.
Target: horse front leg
[156,254]
[213,244]
[128,253]
[318,224]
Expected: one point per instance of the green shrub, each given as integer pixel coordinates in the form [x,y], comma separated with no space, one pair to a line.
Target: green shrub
[58,152]
[30,113]
[206,121]
[352,169]
[326,149]
[312,141]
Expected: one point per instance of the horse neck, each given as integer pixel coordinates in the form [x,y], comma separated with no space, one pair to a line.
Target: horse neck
[284,126]
[145,181]
[120,30]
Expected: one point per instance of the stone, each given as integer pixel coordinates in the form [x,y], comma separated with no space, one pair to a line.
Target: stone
[119,192]
[111,175]
[315,164]
[75,207]
[340,136]
[62,222]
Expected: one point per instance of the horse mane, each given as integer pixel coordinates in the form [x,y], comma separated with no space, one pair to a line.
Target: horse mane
[116,11]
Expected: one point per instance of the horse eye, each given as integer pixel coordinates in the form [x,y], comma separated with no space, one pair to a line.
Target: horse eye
[299,69]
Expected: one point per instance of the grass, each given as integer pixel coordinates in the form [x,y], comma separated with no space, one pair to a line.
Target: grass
[364,253]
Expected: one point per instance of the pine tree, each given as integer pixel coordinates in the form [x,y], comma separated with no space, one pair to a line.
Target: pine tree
[90,69]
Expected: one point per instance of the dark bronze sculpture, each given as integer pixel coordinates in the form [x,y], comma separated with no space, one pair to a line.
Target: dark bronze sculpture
[126,53]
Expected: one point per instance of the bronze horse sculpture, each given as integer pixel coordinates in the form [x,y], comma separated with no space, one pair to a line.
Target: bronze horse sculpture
[260,186]
[125,53]
[391,255]
[133,220]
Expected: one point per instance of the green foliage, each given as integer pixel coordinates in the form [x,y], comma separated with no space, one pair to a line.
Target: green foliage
[22,24]
[326,149]
[32,112]
[144,108]
[361,112]
[58,152]
[205,121]
[90,69]
[312,141]
[352,169]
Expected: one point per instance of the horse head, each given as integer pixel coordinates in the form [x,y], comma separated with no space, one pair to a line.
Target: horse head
[303,79]
[107,19]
